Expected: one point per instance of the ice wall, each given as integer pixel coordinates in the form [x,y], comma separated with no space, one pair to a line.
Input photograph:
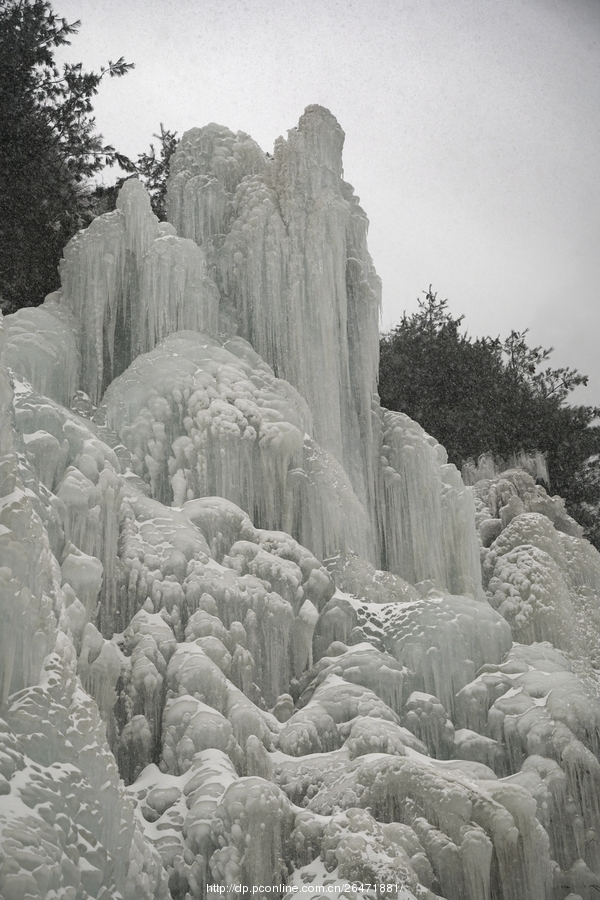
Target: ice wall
[228,578]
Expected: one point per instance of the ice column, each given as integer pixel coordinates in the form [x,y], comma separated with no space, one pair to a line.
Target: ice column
[130,282]
[286,240]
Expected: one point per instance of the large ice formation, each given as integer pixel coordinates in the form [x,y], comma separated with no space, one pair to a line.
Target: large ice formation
[256,633]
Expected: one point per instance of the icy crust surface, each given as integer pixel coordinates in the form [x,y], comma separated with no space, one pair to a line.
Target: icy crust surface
[190,594]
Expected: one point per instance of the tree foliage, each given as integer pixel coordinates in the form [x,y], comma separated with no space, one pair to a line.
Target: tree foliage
[152,168]
[488,395]
[48,147]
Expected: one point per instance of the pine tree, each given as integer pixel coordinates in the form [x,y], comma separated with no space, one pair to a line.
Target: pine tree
[48,147]
[493,396]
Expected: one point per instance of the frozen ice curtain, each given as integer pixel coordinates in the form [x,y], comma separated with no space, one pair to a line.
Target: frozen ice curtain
[256,633]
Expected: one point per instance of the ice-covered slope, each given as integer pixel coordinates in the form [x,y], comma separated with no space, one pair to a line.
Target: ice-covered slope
[230,578]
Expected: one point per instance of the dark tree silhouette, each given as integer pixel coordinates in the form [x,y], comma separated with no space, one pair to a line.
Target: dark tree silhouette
[492,396]
[49,148]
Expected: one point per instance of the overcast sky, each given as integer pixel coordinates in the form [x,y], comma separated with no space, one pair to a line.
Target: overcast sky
[472,133]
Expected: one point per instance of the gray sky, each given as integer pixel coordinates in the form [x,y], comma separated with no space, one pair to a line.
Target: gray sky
[472,133]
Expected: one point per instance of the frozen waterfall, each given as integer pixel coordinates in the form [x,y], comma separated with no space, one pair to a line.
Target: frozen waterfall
[256,634]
